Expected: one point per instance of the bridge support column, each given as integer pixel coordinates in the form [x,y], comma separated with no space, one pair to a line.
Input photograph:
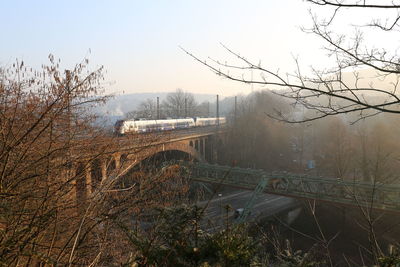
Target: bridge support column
[292,215]
[79,182]
[117,159]
[208,149]
[70,182]
[88,175]
[103,167]
[96,174]
[214,150]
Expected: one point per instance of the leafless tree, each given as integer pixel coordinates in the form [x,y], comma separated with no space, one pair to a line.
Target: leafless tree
[147,109]
[204,109]
[179,104]
[343,88]
[363,81]
[50,212]
[44,122]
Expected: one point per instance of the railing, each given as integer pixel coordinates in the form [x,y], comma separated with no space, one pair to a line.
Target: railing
[154,138]
[359,193]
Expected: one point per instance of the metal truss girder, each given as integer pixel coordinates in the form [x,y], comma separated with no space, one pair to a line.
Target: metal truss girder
[360,193]
[250,203]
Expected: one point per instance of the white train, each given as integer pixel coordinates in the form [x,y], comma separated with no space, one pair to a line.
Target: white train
[144,126]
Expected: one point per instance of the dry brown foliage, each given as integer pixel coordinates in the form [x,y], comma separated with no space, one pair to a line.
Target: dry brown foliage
[51,213]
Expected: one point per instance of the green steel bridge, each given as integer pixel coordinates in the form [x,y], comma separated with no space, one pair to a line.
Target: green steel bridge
[357,193]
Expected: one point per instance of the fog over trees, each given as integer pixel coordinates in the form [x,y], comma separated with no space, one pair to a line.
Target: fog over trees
[367,150]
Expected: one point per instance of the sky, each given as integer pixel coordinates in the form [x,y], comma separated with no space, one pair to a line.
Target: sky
[138,42]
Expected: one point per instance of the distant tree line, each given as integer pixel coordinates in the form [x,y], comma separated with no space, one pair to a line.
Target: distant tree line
[178,104]
[367,150]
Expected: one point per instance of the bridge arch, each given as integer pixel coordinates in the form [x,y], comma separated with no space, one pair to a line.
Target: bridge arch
[134,159]
[123,158]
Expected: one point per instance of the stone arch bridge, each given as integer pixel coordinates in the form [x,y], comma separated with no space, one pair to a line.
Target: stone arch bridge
[128,151]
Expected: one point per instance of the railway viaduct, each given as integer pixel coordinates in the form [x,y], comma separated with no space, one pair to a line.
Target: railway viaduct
[124,153]
[200,146]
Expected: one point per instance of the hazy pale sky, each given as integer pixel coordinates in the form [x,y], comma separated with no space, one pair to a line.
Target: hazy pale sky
[138,41]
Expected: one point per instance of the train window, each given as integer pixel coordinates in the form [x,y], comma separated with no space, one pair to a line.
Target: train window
[119,123]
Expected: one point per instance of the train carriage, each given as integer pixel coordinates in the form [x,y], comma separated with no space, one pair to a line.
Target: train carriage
[123,127]
[209,121]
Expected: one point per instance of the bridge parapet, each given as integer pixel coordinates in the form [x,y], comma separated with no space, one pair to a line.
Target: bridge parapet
[357,193]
